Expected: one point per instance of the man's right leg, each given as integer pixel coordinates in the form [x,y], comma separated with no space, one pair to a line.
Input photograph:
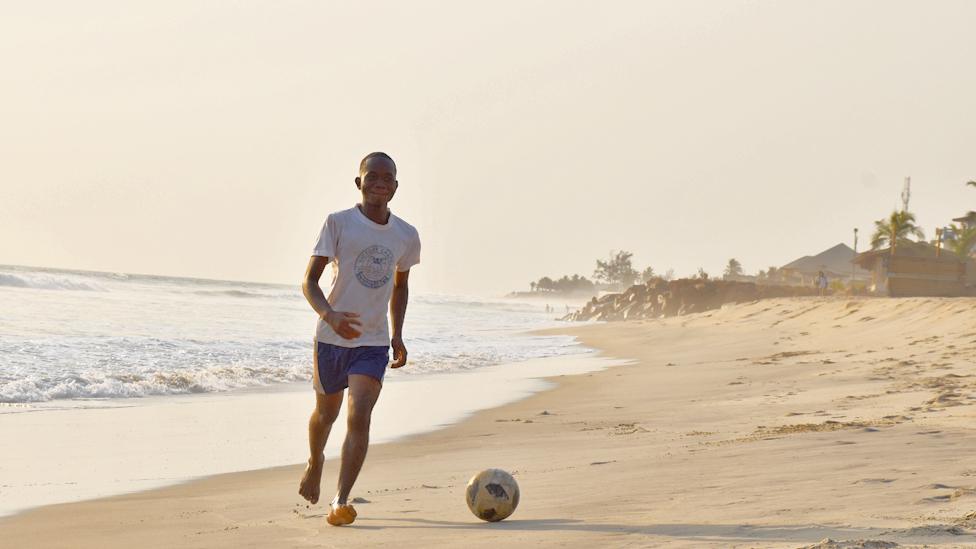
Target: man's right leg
[327,407]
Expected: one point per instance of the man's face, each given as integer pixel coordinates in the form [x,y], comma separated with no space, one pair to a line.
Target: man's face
[377,181]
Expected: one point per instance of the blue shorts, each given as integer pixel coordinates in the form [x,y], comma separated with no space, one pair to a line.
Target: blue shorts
[333,364]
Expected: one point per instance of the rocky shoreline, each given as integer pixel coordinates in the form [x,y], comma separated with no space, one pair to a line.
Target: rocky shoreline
[658,298]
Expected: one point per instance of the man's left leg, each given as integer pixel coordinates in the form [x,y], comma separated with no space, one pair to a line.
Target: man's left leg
[363,393]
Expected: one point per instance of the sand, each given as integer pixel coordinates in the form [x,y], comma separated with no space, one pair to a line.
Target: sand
[773,424]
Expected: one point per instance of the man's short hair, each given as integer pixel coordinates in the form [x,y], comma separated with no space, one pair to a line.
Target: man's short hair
[362,164]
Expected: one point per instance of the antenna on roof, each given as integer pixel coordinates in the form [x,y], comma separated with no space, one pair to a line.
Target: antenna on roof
[906,194]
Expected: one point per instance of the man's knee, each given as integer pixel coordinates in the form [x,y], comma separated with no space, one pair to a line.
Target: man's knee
[359,416]
[327,409]
[326,417]
[363,392]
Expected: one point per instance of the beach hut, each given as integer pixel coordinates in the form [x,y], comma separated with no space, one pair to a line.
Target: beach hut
[916,269]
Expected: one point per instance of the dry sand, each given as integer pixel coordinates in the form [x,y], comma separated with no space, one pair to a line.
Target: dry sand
[772,424]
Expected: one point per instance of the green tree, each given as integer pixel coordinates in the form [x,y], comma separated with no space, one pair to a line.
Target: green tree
[647,274]
[963,241]
[545,283]
[617,269]
[733,269]
[576,283]
[894,230]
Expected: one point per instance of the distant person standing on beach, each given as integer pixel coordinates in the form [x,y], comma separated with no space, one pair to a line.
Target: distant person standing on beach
[822,283]
[371,251]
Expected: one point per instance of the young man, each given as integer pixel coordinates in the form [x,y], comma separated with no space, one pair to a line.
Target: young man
[372,251]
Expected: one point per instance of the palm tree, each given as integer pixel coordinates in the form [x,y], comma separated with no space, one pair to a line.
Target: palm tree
[895,230]
[963,241]
[734,268]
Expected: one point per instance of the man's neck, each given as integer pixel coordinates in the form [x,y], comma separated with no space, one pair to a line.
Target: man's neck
[377,214]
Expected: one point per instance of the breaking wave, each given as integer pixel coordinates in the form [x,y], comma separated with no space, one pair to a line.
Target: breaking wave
[47,282]
[278,294]
[157,335]
[95,385]
[123,376]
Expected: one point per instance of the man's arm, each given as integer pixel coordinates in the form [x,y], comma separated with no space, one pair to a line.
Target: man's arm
[398,310]
[343,323]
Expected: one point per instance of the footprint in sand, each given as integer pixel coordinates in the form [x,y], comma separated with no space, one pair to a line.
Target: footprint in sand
[929,530]
[828,543]
[957,493]
[628,429]
[944,400]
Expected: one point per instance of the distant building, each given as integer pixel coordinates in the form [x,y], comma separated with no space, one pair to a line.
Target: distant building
[967,221]
[916,269]
[836,263]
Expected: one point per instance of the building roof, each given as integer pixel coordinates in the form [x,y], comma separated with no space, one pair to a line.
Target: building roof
[908,249]
[968,218]
[836,259]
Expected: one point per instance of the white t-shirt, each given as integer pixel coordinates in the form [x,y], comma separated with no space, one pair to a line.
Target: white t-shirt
[364,255]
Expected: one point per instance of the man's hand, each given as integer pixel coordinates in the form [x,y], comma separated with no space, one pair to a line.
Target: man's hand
[399,352]
[343,323]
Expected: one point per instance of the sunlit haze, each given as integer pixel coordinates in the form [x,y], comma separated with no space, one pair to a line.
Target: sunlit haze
[212,139]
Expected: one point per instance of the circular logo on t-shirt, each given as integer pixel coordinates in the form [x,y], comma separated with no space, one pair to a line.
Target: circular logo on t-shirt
[374,266]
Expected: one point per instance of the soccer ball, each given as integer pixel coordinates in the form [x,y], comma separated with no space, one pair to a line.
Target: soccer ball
[492,495]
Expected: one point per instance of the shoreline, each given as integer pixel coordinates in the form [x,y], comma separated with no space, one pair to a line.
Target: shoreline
[771,424]
[200,433]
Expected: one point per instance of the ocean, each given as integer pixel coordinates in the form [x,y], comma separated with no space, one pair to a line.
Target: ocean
[70,335]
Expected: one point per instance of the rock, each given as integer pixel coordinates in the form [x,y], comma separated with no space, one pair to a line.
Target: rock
[659,298]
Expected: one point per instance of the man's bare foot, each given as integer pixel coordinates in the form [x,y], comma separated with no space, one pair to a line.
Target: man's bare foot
[312,479]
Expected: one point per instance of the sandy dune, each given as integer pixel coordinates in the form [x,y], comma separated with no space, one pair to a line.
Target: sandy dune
[773,424]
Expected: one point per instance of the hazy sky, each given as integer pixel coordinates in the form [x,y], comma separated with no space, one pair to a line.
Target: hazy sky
[211,139]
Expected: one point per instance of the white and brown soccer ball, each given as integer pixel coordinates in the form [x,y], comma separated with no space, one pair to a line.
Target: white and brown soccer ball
[492,495]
